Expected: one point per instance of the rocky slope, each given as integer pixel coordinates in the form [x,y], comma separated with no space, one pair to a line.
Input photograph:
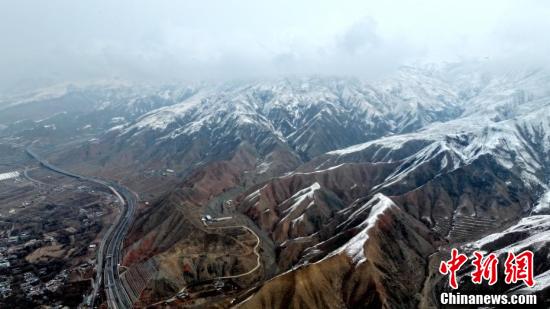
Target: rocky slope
[373,260]
[306,117]
[356,190]
[345,222]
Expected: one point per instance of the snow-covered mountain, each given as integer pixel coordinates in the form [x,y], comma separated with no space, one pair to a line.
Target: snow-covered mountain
[345,181]
[68,110]
[307,117]
[311,115]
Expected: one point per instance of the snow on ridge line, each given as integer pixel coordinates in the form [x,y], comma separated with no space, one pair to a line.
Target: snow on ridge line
[299,95]
[544,202]
[477,125]
[472,137]
[299,197]
[354,248]
[315,171]
[159,119]
[254,195]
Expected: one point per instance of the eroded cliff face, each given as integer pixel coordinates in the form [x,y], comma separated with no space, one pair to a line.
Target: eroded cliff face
[343,236]
[171,235]
[455,208]
[363,226]
[376,258]
[300,204]
[152,230]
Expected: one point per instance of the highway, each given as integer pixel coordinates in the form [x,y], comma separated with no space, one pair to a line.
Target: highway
[109,254]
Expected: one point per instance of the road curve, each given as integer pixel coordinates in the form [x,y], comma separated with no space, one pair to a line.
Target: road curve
[256,252]
[256,247]
[110,248]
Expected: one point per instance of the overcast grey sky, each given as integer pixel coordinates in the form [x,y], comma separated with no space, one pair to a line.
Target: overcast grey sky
[157,40]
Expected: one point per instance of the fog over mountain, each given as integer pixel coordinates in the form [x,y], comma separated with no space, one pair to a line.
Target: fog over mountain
[281,154]
[46,42]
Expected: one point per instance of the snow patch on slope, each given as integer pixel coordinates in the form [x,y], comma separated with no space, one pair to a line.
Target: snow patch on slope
[355,247]
[299,198]
[543,204]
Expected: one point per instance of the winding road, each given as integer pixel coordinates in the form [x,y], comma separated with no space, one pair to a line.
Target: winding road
[256,252]
[110,249]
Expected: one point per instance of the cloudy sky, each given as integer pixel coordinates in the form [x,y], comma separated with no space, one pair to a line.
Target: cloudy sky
[62,40]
